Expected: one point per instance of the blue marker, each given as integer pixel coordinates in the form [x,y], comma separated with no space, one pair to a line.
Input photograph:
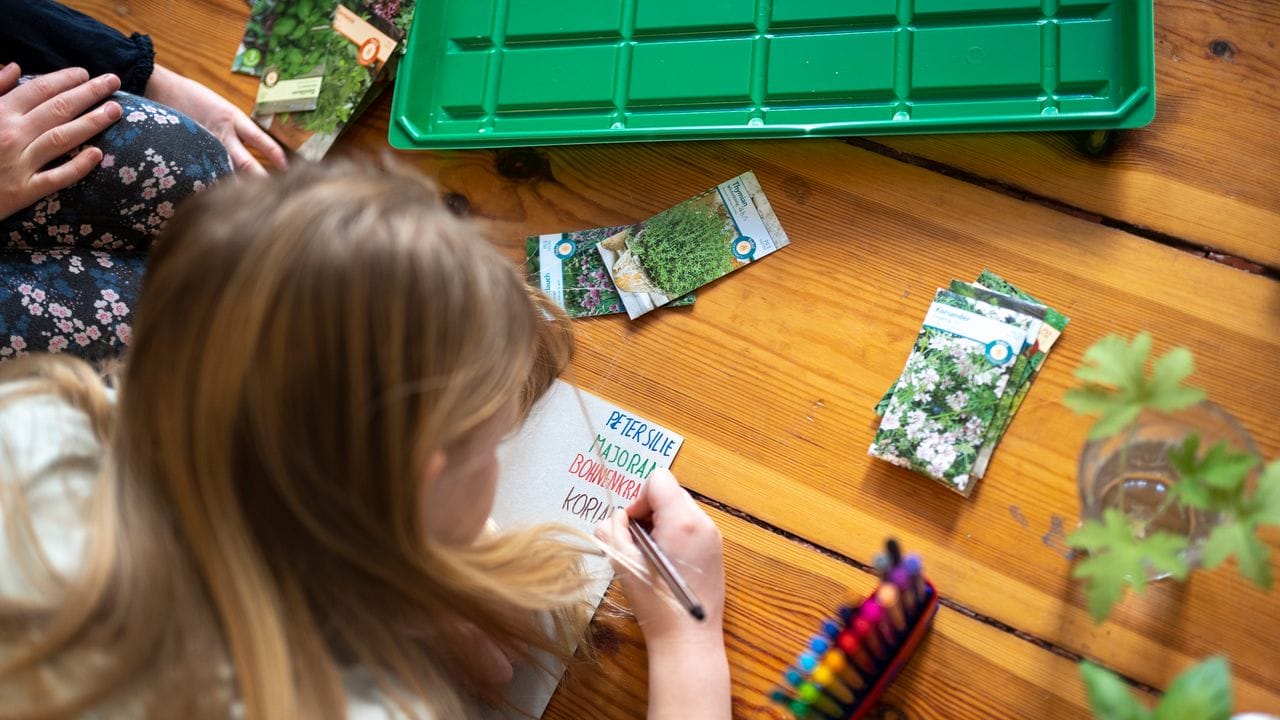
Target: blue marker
[819,645]
[830,628]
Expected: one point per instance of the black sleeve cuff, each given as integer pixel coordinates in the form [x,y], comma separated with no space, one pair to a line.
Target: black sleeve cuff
[134,80]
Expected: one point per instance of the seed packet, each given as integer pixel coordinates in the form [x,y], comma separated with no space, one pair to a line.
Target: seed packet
[1018,375]
[293,66]
[701,239]
[361,50]
[253,45]
[569,269]
[972,290]
[946,398]
[1050,330]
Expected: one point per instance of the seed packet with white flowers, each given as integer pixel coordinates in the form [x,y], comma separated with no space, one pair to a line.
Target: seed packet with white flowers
[569,269]
[1050,330]
[946,398]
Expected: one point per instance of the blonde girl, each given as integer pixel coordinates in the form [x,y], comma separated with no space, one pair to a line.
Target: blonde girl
[278,512]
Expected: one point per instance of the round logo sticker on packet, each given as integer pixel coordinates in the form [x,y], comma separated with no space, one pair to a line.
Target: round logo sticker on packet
[565,249]
[744,247]
[999,352]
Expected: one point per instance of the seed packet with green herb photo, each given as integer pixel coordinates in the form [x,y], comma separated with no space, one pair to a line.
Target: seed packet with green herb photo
[569,269]
[359,46]
[947,396]
[699,240]
[253,45]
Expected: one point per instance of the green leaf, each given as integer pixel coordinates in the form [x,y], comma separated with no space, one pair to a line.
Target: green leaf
[1117,558]
[1214,482]
[1165,390]
[1109,698]
[1202,692]
[1089,400]
[1114,420]
[1267,497]
[1239,539]
[1116,362]
[1118,388]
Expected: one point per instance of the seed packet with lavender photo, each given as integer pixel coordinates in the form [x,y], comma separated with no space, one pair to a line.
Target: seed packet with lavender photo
[947,396]
[699,240]
[569,269]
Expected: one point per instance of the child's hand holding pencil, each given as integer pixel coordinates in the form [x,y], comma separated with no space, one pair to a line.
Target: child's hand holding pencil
[688,672]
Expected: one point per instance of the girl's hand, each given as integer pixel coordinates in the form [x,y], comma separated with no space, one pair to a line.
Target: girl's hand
[43,120]
[232,127]
[688,668]
[693,544]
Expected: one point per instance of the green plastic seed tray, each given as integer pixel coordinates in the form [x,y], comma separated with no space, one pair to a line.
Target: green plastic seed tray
[499,73]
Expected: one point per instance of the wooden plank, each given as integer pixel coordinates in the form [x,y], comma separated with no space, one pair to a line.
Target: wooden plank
[772,374]
[778,593]
[1203,171]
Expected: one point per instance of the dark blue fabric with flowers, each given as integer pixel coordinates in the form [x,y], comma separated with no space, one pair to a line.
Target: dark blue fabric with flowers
[72,263]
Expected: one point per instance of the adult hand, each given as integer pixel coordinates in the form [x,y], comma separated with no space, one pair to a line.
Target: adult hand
[232,127]
[44,119]
[693,544]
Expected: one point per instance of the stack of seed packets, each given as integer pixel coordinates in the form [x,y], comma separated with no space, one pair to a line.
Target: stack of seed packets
[981,346]
[569,269]
[658,262]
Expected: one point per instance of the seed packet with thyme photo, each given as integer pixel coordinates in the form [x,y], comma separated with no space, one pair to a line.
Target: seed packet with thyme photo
[701,239]
[946,398]
[569,269]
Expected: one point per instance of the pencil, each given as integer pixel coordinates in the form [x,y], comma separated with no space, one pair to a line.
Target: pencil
[668,572]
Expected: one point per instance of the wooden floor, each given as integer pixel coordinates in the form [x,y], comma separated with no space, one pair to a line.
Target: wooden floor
[1174,228]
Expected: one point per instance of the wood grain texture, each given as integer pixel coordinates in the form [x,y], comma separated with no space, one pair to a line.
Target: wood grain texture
[1204,171]
[771,376]
[778,593]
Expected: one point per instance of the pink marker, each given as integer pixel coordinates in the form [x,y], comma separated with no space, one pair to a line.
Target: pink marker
[875,617]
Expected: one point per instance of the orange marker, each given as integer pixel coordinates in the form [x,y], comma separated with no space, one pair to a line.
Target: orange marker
[888,598]
[839,665]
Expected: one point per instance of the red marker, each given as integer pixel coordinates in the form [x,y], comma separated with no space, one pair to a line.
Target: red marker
[848,642]
[869,637]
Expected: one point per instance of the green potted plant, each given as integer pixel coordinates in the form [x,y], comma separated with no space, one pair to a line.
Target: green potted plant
[1167,481]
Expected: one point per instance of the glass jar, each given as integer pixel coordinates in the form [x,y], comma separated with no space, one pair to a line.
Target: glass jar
[1130,471]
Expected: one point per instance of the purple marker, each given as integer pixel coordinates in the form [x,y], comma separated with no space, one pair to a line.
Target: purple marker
[915,569]
[902,579]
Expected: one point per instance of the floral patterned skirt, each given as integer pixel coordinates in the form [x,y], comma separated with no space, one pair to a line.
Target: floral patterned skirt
[71,264]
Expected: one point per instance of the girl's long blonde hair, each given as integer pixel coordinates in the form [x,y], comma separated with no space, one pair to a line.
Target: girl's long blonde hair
[304,345]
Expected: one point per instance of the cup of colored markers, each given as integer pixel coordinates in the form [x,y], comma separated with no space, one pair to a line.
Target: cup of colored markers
[859,650]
